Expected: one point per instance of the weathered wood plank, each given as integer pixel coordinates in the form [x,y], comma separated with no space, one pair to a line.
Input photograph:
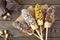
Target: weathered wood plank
[38,1]
[26,38]
[17,13]
[16,33]
[8,25]
[53,38]
[30,38]
[56,24]
[33,38]
[57,13]
[54,31]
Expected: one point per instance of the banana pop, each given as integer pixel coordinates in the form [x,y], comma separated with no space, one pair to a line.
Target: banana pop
[49,18]
[29,19]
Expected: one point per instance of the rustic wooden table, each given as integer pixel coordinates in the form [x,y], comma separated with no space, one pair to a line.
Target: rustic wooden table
[24,4]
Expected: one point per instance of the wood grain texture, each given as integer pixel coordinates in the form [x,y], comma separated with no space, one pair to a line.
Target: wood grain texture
[24,2]
[33,38]
[17,33]
[30,38]
[17,13]
[8,25]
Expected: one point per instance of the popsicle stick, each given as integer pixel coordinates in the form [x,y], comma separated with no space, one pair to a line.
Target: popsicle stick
[36,36]
[41,31]
[46,34]
[39,34]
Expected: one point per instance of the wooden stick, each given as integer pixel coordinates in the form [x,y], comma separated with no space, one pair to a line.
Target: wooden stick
[46,33]
[36,36]
[41,31]
[39,34]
